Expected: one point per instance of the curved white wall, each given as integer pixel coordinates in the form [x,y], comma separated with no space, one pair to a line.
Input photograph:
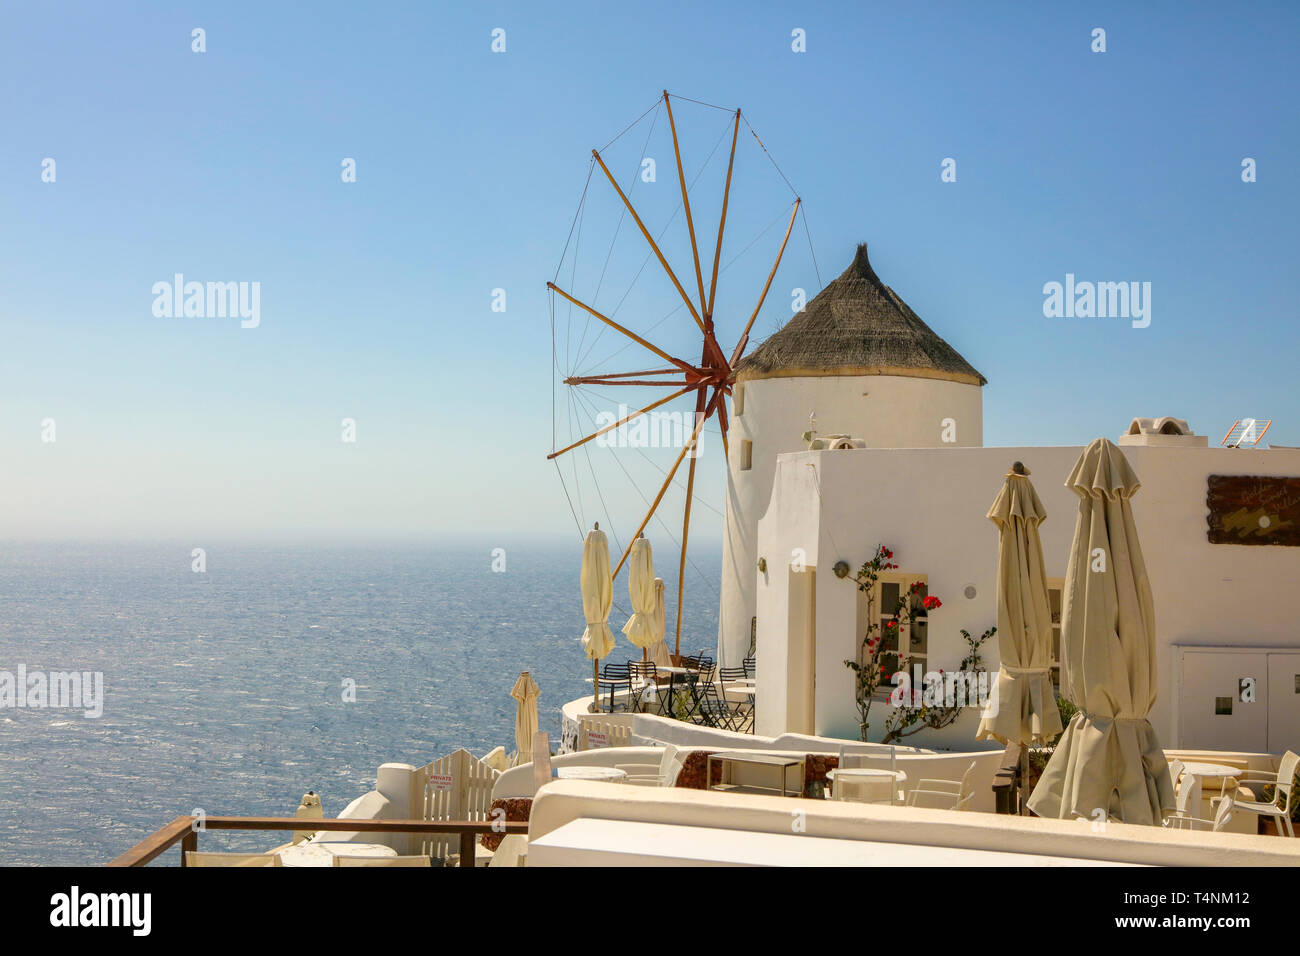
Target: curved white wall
[886,411]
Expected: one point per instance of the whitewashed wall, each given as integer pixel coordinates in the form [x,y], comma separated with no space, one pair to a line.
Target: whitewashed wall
[929,505]
[884,410]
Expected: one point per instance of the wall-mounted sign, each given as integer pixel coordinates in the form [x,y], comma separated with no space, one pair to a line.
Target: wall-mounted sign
[440,781]
[1252,509]
[596,739]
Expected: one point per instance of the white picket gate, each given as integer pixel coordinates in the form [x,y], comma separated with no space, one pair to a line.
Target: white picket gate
[456,787]
[604,730]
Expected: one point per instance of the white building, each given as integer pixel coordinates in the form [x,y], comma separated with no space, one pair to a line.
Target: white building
[861,362]
[1224,570]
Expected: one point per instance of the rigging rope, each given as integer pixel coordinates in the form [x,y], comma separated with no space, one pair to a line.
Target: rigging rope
[769,156]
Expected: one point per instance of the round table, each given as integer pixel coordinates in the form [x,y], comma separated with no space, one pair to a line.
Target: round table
[606,774]
[853,775]
[1207,771]
[323,854]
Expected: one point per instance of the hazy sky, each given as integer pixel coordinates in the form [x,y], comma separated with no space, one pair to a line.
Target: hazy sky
[376,296]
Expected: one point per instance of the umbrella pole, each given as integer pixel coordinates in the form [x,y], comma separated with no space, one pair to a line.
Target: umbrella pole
[1022,768]
[595,684]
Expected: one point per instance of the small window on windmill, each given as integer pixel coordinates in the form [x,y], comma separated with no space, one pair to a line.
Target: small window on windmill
[746,454]
[1223,706]
[738,401]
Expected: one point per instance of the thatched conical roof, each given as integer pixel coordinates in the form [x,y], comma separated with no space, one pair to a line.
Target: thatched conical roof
[857,325]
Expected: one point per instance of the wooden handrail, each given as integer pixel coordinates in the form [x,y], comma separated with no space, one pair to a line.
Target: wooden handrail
[183,830]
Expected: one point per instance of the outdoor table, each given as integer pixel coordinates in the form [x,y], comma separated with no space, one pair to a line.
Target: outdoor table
[1197,771]
[775,761]
[842,779]
[606,774]
[323,854]
[666,705]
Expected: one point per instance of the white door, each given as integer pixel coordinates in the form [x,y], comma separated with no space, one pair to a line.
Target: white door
[1212,714]
[1283,701]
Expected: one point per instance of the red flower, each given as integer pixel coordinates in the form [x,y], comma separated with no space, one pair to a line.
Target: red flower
[930,602]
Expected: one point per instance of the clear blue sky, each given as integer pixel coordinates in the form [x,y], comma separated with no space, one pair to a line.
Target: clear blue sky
[376,296]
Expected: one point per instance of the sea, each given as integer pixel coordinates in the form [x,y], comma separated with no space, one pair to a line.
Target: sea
[227,689]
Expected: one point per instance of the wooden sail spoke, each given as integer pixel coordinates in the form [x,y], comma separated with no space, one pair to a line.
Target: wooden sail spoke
[686,205]
[681,565]
[701,414]
[685,367]
[648,238]
[722,221]
[723,424]
[598,380]
[621,421]
[653,371]
[744,336]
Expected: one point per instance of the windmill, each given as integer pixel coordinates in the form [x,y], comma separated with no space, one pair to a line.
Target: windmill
[705,382]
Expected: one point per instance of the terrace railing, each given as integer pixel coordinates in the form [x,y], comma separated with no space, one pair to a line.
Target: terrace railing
[186,830]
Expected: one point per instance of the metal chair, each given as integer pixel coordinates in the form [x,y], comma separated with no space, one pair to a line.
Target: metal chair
[1284,793]
[1221,818]
[1183,811]
[751,668]
[743,709]
[949,794]
[615,687]
[642,670]
[713,709]
[699,662]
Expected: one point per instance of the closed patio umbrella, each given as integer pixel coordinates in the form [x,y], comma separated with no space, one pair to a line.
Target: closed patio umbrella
[640,627]
[1108,759]
[597,595]
[1023,709]
[525,693]
[659,650]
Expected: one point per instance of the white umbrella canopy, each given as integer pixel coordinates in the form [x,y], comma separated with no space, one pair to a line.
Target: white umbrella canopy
[640,627]
[1023,709]
[525,692]
[597,595]
[1108,760]
[659,650]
